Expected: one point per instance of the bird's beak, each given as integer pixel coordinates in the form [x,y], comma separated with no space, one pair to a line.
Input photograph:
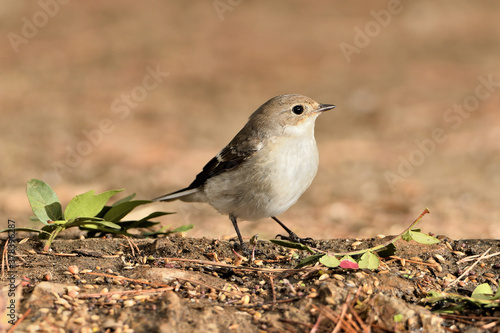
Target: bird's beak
[325,107]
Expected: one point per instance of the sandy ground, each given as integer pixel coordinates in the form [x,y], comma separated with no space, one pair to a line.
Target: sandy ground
[416,84]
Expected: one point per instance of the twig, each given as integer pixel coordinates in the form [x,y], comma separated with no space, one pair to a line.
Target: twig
[128,279]
[271,278]
[383,245]
[478,318]
[470,258]
[414,261]
[468,269]
[489,326]
[161,284]
[209,286]
[11,330]
[315,328]
[254,269]
[294,322]
[259,305]
[362,325]
[364,328]
[5,258]
[125,292]
[58,254]
[342,315]
[132,245]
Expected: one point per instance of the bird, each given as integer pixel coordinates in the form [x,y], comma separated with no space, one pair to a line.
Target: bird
[265,168]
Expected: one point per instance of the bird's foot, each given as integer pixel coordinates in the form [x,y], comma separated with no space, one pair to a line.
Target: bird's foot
[246,251]
[240,247]
[292,237]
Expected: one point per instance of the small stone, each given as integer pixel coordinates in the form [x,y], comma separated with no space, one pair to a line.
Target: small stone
[323,277]
[338,277]
[245,299]
[128,303]
[73,269]
[440,258]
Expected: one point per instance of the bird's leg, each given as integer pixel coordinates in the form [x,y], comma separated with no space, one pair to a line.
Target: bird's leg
[242,246]
[292,236]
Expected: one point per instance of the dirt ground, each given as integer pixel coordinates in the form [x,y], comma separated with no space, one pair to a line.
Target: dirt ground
[124,94]
[66,117]
[179,284]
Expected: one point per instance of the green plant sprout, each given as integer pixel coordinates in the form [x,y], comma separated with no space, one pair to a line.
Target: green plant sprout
[366,258]
[87,211]
[481,297]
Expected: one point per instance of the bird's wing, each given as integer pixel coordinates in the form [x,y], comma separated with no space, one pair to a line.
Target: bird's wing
[235,153]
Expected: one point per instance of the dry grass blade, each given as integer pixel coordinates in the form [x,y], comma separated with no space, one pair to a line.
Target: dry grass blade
[126,292]
[315,328]
[132,245]
[271,278]
[19,321]
[128,279]
[481,257]
[161,284]
[251,269]
[470,258]
[5,259]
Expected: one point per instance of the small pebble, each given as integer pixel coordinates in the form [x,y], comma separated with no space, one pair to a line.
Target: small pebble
[73,269]
[128,303]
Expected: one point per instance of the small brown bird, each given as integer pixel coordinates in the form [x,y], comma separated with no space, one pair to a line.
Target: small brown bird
[265,168]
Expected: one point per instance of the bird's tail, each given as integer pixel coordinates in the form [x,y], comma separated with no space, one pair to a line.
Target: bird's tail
[181,194]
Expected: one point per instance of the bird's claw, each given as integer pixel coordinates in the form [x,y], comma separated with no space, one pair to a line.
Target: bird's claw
[296,239]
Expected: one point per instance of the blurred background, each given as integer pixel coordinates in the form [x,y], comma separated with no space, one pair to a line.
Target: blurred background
[140,95]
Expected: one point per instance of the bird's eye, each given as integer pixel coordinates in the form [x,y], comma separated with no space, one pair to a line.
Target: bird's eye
[298,109]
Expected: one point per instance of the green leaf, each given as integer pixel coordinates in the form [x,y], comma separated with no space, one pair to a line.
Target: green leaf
[329,261]
[155,215]
[497,295]
[165,231]
[125,225]
[82,221]
[25,229]
[87,204]
[387,251]
[406,236]
[309,260]
[103,211]
[423,238]
[292,245]
[126,199]
[369,260]
[43,200]
[183,228]
[398,318]
[144,222]
[483,291]
[117,212]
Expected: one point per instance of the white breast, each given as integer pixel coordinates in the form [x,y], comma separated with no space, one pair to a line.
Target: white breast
[270,181]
